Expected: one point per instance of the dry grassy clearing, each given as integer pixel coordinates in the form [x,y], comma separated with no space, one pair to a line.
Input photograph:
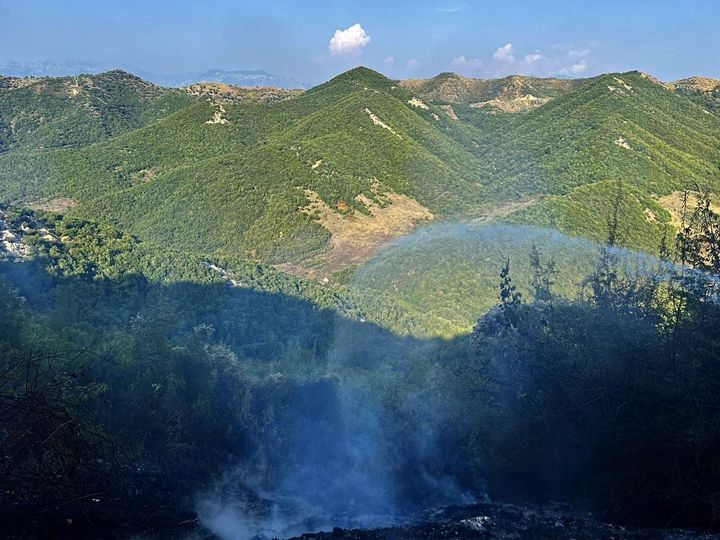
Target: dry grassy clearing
[356,237]
[524,103]
[57,204]
[675,201]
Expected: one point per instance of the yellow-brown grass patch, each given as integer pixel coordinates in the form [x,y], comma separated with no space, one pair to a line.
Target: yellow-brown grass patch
[56,204]
[355,236]
[676,202]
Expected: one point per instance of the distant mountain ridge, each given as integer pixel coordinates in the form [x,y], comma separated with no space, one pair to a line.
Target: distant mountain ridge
[520,93]
[232,77]
[50,69]
[315,181]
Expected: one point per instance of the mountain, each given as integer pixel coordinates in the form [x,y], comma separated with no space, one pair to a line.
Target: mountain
[38,117]
[623,128]
[49,68]
[336,307]
[315,182]
[235,78]
[510,94]
[562,145]
[247,174]
[703,90]
[45,113]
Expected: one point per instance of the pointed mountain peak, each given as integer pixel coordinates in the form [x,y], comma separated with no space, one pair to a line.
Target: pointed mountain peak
[359,77]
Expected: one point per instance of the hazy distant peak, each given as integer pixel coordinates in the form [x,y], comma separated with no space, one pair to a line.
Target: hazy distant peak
[240,78]
[233,77]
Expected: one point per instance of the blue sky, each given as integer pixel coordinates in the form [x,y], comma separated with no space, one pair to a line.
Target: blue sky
[313,40]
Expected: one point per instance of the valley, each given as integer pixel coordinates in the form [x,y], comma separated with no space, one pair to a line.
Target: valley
[315,182]
[248,313]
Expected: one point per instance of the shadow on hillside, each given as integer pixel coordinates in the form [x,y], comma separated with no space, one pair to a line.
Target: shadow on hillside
[226,397]
[253,323]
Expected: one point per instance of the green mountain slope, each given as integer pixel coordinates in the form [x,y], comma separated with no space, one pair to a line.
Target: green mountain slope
[75,111]
[239,184]
[620,128]
[119,162]
[43,120]
[287,178]
[450,272]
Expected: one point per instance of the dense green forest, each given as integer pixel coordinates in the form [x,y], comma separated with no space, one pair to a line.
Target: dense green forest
[216,176]
[124,396]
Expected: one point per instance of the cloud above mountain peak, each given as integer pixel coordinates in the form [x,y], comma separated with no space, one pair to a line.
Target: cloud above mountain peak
[504,53]
[352,40]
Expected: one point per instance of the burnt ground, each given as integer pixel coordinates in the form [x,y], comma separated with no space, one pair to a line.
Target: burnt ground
[168,518]
[507,521]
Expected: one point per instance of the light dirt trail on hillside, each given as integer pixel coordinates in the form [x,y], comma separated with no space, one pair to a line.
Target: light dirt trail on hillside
[504,209]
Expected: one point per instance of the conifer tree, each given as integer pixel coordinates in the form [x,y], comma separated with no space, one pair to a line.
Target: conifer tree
[542,275]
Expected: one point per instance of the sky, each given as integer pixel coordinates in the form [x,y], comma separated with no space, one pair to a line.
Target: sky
[314,40]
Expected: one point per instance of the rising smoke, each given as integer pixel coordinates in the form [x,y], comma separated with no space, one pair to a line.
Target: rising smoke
[364,445]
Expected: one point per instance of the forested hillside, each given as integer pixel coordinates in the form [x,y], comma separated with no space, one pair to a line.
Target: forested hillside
[215,171]
[316,182]
[264,175]
[46,113]
[124,397]
[356,302]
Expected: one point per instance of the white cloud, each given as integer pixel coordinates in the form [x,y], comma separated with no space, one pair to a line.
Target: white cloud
[464,64]
[580,67]
[504,53]
[575,62]
[463,60]
[532,58]
[412,64]
[577,68]
[579,53]
[389,61]
[455,9]
[349,41]
[570,60]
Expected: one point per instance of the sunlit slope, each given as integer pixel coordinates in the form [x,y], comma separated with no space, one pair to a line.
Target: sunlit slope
[136,157]
[620,128]
[364,128]
[40,114]
[702,90]
[643,220]
[488,104]
[451,272]
[242,185]
[209,174]
[472,97]
[48,127]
